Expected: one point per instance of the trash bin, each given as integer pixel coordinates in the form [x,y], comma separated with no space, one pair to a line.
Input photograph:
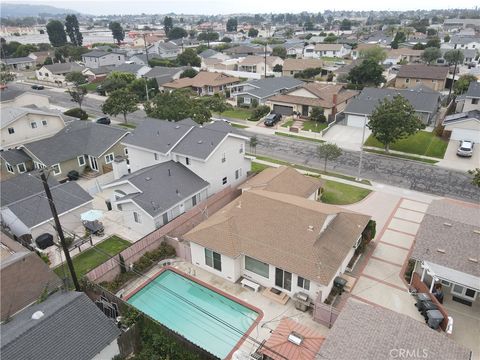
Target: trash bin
[427,306]
[434,318]
[420,298]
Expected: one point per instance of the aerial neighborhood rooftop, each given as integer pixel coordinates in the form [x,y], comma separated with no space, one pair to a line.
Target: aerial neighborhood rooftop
[285,185]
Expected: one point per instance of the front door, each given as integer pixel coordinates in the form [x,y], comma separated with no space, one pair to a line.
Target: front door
[283,279]
[304,110]
[93,162]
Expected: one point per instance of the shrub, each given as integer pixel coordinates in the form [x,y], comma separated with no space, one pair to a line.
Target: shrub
[259,112]
[78,113]
[254,103]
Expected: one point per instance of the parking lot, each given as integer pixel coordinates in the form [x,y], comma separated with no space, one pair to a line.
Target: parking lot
[455,162]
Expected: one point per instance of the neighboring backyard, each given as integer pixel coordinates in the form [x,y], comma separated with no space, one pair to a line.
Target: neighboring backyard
[91,258]
[342,194]
[422,143]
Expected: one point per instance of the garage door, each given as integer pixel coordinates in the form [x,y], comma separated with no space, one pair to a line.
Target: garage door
[465,134]
[283,110]
[355,120]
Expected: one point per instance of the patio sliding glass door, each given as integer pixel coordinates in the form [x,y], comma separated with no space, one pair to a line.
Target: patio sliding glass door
[283,279]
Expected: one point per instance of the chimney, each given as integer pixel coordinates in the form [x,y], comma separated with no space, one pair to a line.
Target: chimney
[334,108]
[119,167]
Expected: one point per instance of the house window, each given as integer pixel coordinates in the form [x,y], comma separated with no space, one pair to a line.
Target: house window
[475,101]
[39,165]
[44,122]
[125,151]
[446,283]
[40,73]
[241,149]
[194,200]
[9,168]
[224,181]
[213,259]
[33,124]
[407,80]
[256,266]
[247,100]
[11,130]
[155,156]
[187,161]
[109,158]
[238,173]
[81,160]
[21,168]
[417,80]
[283,279]
[136,217]
[291,72]
[119,58]
[224,157]
[165,218]
[303,283]
[464,292]
[56,169]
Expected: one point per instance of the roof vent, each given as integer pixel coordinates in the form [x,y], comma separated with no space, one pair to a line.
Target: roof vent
[295,338]
[177,192]
[473,260]
[476,231]
[200,141]
[169,172]
[158,133]
[37,315]
[442,251]
[148,178]
[447,224]
[310,227]
[177,127]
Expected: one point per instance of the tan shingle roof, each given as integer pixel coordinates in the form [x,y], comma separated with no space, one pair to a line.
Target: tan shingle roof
[328,47]
[299,235]
[284,180]
[254,60]
[203,78]
[419,71]
[404,52]
[301,64]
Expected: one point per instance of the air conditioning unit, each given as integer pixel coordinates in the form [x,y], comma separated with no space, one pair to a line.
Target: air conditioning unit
[256,356]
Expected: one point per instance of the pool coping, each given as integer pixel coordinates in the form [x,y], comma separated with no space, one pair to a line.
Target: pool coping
[212,288]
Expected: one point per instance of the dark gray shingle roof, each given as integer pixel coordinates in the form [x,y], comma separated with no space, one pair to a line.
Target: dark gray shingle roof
[14,156]
[473,90]
[63,68]
[130,68]
[72,327]
[422,100]
[19,60]
[21,187]
[472,114]
[78,138]
[176,181]
[271,86]
[10,94]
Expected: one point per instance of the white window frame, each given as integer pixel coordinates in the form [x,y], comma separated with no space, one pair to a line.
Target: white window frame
[210,254]
[247,100]
[11,130]
[59,169]
[109,158]
[303,283]
[24,168]
[44,123]
[39,166]
[462,294]
[10,168]
[137,218]
[33,125]
[83,160]
[155,156]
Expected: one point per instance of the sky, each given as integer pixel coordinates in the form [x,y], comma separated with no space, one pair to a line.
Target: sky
[208,7]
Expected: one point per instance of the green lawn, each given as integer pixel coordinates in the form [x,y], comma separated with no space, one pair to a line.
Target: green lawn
[91,86]
[313,126]
[257,167]
[298,137]
[238,113]
[90,259]
[287,124]
[342,194]
[422,143]
[128,125]
[239,126]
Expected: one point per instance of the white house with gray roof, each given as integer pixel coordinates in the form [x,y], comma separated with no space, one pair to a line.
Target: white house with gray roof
[137,70]
[55,73]
[215,151]
[19,98]
[165,50]
[97,58]
[151,197]
[472,97]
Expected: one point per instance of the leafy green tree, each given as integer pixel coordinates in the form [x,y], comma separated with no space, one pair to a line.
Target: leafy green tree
[328,152]
[476,176]
[345,24]
[253,144]
[6,77]
[393,120]
[462,84]
[252,33]
[189,58]
[208,36]
[309,73]
[25,50]
[433,42]
[77,91]
[431,55]
[278,68]
[177,33]
[375,53]
[120,101]
[431,32]
[232,25]
[226,39]
[117,80]
[279,51]
[309,25]
[215,103]
[56,33]
[167,24]
[453,57]
[317,114]
[117,31]
[139,87]
[367,73]
[446,38]
[72,29]
[418,46]
[48,61]
[330,39]
[289,32]
[190,73]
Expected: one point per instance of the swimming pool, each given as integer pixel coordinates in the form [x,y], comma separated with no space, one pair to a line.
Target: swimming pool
[198,313]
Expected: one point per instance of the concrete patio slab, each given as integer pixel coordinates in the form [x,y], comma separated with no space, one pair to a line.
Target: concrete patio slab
[385,272]
[398,239]
[390,253]
[413,205]
[403,226]
[409,215]
[387,296]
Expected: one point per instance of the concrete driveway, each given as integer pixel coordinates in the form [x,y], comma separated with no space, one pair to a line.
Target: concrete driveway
[346,137]
[452,161]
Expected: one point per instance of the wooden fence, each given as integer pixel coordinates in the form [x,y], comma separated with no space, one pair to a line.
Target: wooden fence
[324,314]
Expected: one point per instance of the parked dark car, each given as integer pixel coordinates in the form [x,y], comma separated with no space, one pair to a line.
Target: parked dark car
[73,175]
[105,120]
[38,87]
[272,119]
[44,241]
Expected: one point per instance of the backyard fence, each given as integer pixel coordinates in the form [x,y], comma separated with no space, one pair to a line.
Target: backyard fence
[324,314]
[168,233]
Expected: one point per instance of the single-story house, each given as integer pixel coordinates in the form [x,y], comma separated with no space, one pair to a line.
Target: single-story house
[462,42]
[14,162]
[279,241]
[153,196]
[25,209]
[294,66]
[141,59]
[19,98]
[98,74]
[21,125]
[84,330]
[97,58]
[327,50]
[137,70]
[148,39]
[163,74]
[332,98]
[258,64]
[20,63]
[258,91]
[363,331]
[246,50]
[212,54]
[463,126]
[380,38]
[432,76]
[204,83]
[80,146]
[471,97]
[394,56]
[425,101]
[55,73]
[285,180]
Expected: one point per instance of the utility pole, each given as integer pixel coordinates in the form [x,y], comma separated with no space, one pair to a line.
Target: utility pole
[146,51]
[58,226]
[265,60]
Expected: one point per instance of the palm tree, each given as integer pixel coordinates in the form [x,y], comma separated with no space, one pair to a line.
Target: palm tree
[453,57]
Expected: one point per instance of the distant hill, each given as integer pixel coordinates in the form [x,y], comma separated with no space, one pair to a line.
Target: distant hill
[23,10]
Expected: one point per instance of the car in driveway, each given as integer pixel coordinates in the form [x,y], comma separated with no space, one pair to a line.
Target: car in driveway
[465,149]
[272,119]
[105,120]
[38,87]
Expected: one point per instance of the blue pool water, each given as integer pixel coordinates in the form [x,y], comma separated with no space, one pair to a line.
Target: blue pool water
[169,298]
